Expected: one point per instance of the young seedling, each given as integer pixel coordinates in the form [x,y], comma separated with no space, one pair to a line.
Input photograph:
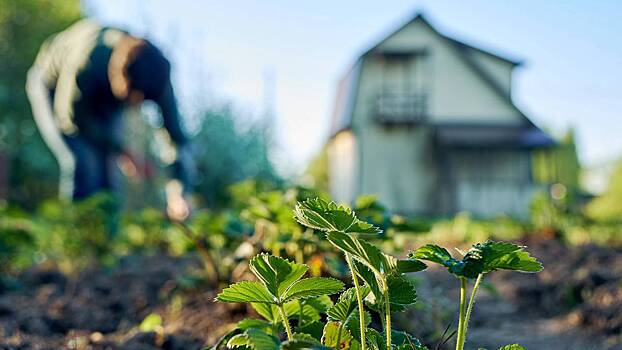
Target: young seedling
[280,282]
[479,260]
[382,273]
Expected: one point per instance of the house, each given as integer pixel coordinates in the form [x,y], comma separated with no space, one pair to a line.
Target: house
[427,123]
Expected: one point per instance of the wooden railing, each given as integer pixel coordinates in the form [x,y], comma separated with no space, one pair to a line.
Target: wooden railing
[401,108]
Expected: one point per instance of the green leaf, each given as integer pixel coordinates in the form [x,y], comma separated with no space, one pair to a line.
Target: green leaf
[333,333]
[320,303]
[255,339]
[276,273]
[237,341]
[246,292]
[346,304]
[512,347]
[324,216]
[369,277]
[306,337]
[401,292]
[375,340]
[268,311]
[352,323]
[481,258]
[362,251]
[436,254]
[248,323]
[405,341]
[225,339]
[406,266]
[363,227]
[302,345]
[490,256]
[311,287]
[503,255]
[328,216]
[309,314]
[314,329]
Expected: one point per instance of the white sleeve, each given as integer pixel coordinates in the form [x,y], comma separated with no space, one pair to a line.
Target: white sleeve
[41,105]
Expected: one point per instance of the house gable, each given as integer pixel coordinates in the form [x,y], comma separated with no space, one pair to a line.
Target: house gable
[465,84]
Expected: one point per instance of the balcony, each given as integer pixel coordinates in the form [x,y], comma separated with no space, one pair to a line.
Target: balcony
[401,109]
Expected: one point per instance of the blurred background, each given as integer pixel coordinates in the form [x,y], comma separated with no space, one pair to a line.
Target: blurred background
[450,122]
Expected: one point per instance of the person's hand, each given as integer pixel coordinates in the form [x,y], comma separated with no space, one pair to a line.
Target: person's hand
[177,207]
[128,165]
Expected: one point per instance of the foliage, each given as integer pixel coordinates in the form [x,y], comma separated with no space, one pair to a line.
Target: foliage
[280,282]
[24,25]
[227,152]
[17,241]
[482,258]
[317,171]
[608,207]
[558,164]
[75,235]
[379,285]
[347,325]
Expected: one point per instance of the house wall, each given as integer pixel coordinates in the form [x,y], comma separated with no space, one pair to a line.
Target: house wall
[343,165]
[487,182]
[499,70]
[401,164]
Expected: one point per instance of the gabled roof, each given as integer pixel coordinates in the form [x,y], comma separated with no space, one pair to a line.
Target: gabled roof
[459,44]
[346,94]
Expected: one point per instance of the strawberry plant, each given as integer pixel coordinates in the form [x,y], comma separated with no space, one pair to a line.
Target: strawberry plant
[378,270]
[282,296]
[481,259]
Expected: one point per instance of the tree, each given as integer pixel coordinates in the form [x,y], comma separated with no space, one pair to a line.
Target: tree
[228,151]
[559,164]
[24,25]
[317,171]
[608,206]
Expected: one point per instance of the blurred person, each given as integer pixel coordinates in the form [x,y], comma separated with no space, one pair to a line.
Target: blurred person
[78,86]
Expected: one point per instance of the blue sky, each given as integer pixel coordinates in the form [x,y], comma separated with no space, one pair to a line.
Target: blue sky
[296,52]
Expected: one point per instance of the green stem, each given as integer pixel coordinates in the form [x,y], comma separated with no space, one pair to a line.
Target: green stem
[471,303]
[387,310]
[290,336]
[359,300]
[460,337]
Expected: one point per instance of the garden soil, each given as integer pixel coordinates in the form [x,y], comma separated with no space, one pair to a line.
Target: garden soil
[575,303]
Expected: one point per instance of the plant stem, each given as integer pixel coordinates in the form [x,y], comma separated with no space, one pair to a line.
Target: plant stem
[204,250]
[471,303]
[460,338]
[359,300]
[387,310]
[290,336]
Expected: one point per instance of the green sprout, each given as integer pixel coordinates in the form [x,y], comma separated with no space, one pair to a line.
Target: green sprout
[479,260]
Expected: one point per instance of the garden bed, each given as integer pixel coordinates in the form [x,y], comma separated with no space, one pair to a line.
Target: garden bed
[575,303]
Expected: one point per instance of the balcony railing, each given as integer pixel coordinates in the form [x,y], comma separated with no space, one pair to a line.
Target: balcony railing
[401,108]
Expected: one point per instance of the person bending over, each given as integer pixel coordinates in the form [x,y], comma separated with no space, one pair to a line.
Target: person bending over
[78,86]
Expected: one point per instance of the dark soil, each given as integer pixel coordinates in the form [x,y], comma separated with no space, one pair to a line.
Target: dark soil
[575,303]
[97,309]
